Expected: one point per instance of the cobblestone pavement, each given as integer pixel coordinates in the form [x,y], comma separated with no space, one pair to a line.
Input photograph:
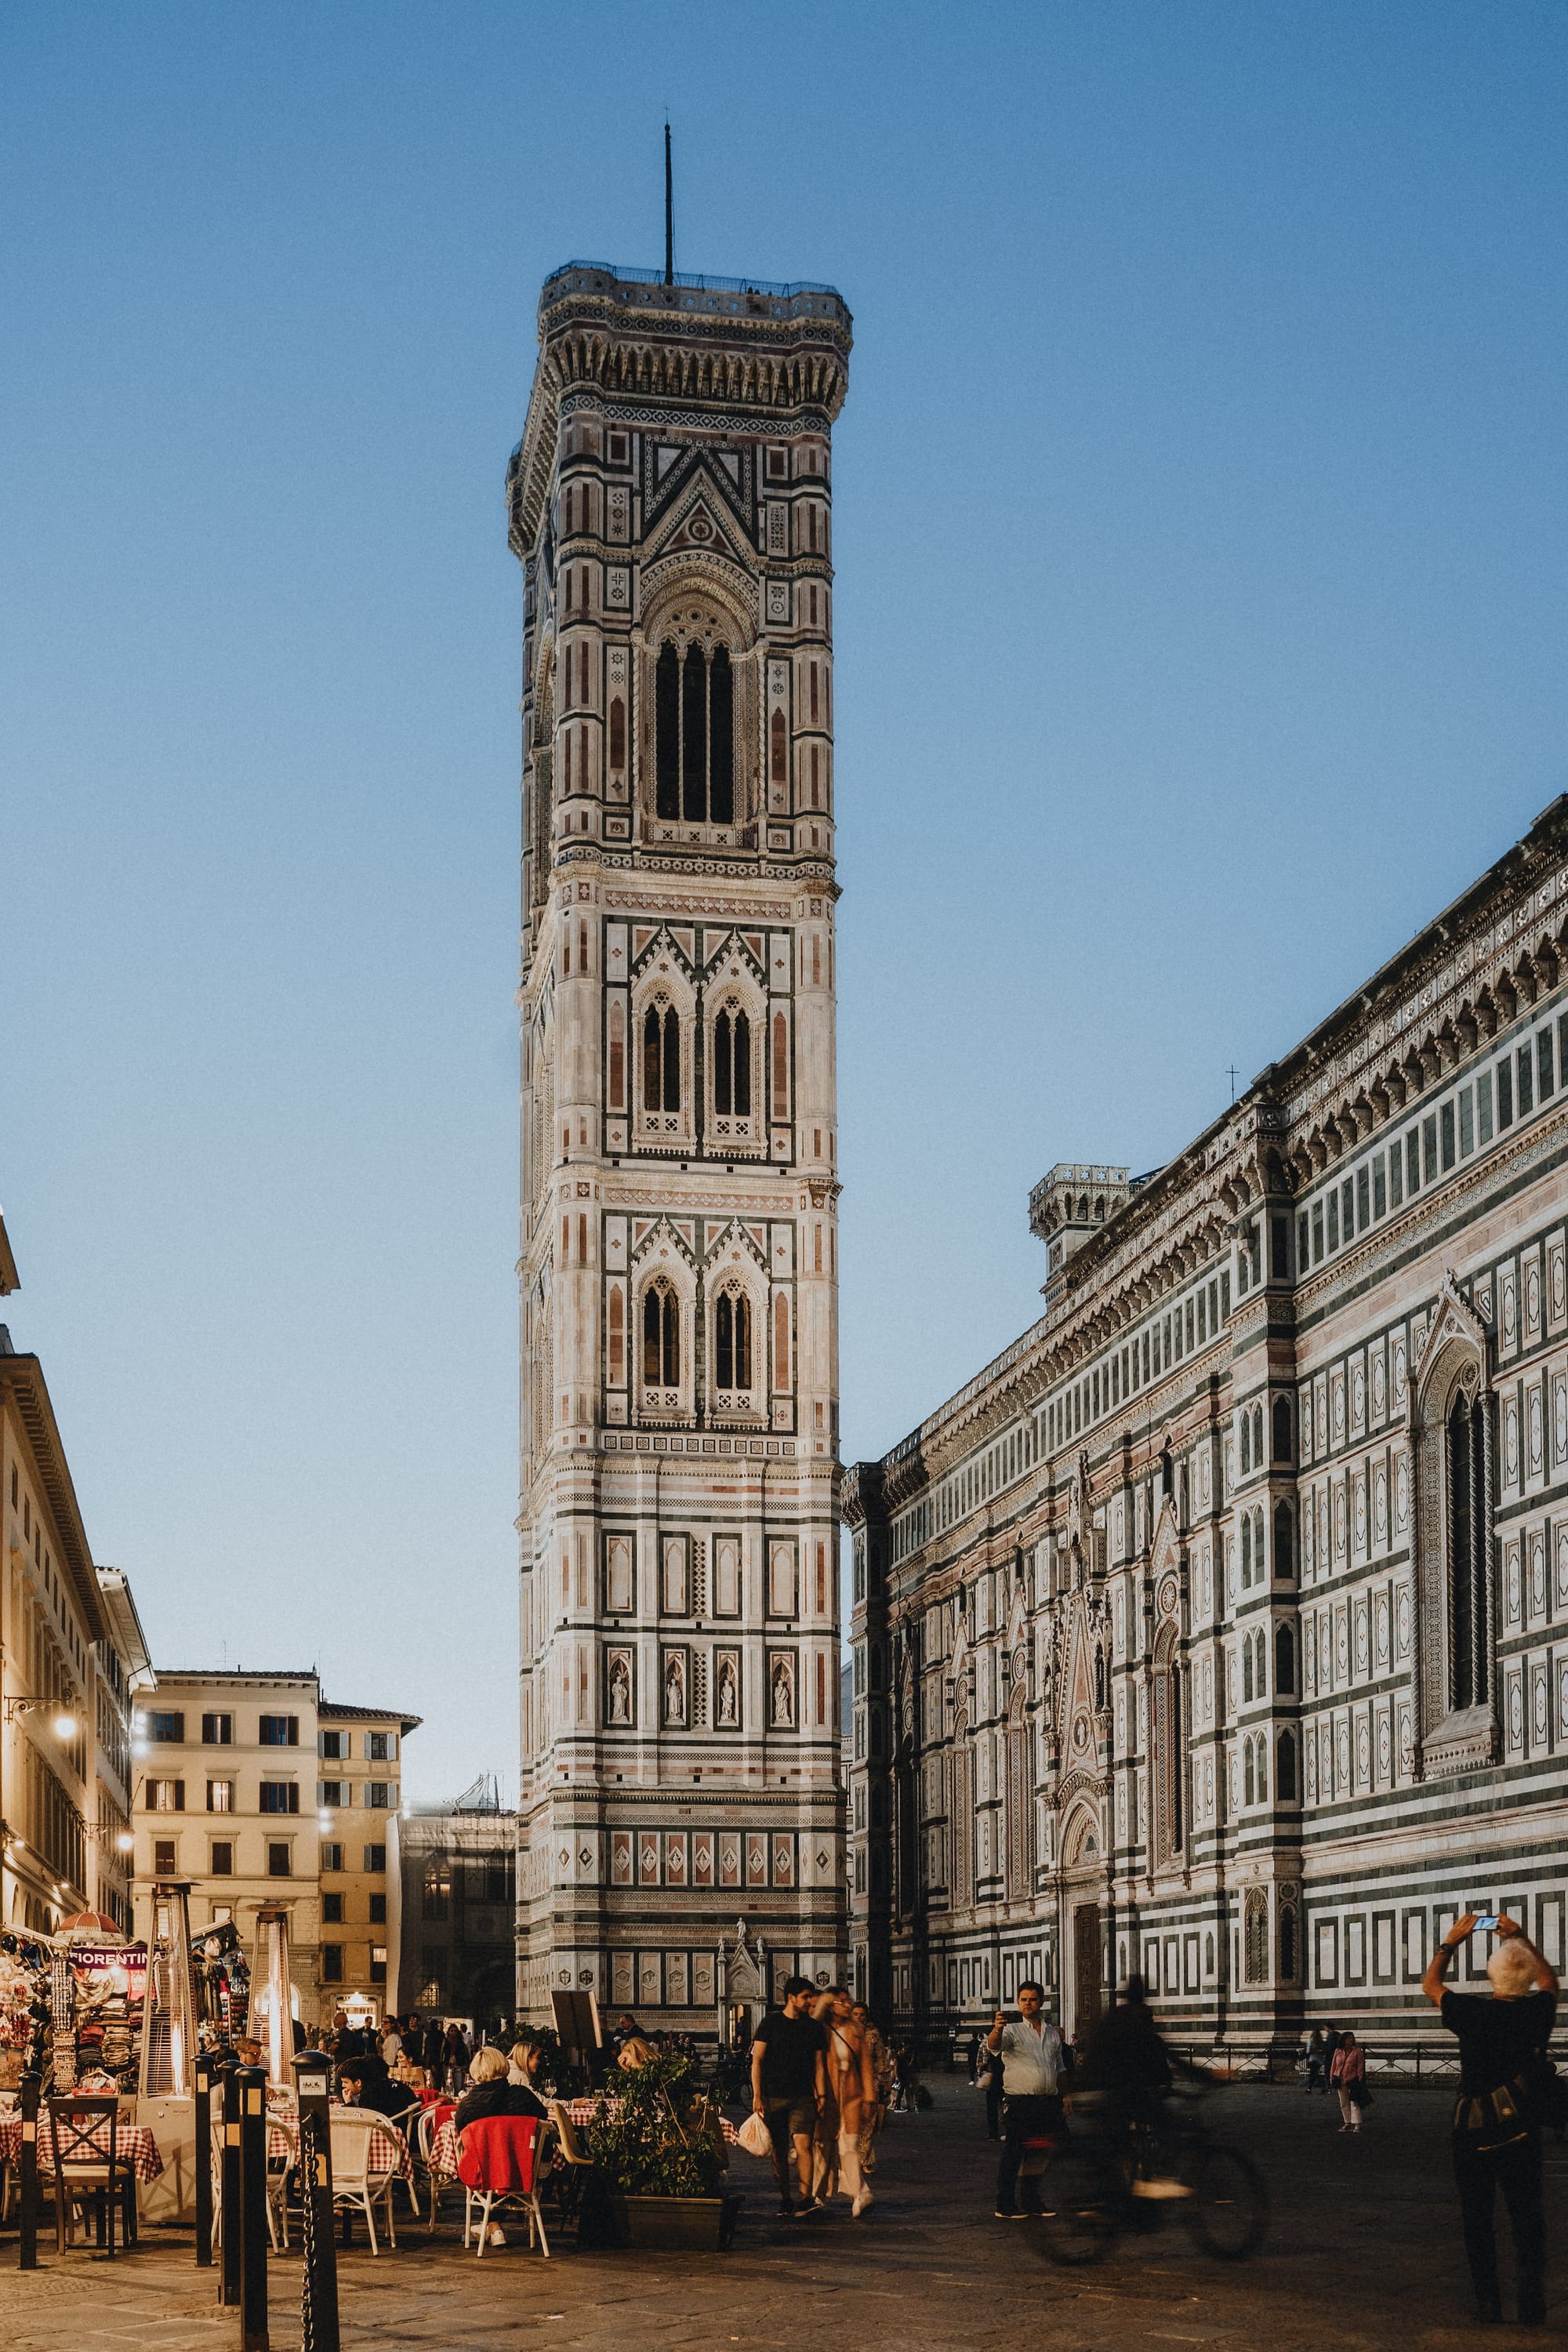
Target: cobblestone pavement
[1364,2250]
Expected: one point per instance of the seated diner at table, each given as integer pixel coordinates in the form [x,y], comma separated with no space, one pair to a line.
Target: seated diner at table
[491,2093]
[362,2084]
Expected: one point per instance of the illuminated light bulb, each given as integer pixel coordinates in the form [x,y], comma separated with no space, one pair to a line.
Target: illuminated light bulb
[65,1727]
[125,1841]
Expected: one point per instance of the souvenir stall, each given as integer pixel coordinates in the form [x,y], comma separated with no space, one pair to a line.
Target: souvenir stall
[105,1981]
[166,2084]
[223,1985]
[26,1963]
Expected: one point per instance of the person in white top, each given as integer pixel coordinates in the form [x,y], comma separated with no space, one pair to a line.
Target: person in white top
[391,2043]
[1032,2068]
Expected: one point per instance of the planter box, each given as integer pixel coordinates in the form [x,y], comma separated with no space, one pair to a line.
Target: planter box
[688,2224]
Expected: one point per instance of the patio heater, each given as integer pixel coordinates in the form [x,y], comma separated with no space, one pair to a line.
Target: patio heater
[165,2098]
[272,1996]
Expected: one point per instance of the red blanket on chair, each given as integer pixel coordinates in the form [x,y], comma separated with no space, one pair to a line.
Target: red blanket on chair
[495,2152]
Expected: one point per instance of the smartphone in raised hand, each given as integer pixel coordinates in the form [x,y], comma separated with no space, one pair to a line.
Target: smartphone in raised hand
[1485,1923]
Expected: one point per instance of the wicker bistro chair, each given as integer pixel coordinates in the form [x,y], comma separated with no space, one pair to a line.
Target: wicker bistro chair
[496,2166]
[575,2160]
[85,2162]
[355,2182]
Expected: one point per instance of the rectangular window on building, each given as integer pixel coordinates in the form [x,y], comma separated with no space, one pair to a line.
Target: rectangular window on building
[1363,1198]
[1545,1077]
[1412,1161]
[334,1746]
[279,1731]
[1429,1148]
[168,1730]
[1333,1208]
[163,1857]
[1303,1240]
[374,1858]
[331,1856]
[378,1964]
[166,1796]
[1526,1081]
[332,1964]
[1379,1187]
[1504,1093]
[1396,1173]
[333,1910]
[280,1796]
[220,1796]
[1484,1104]
[223,1857]
[380,1746]
[378,1910]
[1467,1121]
[332,1792]
[376,1795]
[217,1731]
[277,1865]
[221,1914]
[1317,1233]
[1347,1210]
[1446,1120]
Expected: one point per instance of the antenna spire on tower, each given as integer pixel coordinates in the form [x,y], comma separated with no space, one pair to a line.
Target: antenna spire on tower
[668,212]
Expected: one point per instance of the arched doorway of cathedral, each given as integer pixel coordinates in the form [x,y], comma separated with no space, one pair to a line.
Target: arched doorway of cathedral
[1082,1929]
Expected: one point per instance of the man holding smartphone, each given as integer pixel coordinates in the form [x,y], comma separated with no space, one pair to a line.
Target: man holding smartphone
[1497,2121]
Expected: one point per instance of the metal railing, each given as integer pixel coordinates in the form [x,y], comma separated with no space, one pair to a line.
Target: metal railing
[695,282]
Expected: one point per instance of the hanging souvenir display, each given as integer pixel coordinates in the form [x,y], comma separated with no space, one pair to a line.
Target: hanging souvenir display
[223,1982]
[24,2005]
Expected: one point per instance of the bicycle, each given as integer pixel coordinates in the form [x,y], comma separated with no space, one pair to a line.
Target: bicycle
[1137,2174]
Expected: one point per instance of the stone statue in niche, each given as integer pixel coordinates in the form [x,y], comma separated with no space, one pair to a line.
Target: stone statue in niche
[620,1688]
[675,1688]
[727,1713]
[783,1690]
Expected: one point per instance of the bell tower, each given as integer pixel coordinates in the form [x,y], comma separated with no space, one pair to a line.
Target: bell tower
[671,503]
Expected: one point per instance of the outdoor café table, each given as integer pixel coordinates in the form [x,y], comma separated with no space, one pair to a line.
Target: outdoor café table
[133,2142]
[580,2114]
[388,2148]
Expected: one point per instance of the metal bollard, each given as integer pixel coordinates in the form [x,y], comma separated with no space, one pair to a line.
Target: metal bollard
[32,2086]
[319,2291]
[252,2088]
[228,2275]
[206,2078]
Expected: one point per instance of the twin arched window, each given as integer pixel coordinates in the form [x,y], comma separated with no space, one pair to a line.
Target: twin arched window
[694,730]
[732,1341]
[660,1337]
[732,1065]
[660,1059]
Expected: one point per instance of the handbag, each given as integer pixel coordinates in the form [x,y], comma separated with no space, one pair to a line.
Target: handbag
[754,2135]
[1359,2094]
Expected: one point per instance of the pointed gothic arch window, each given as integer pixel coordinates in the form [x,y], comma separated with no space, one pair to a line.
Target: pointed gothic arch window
[1285,1768]
[732,1341]
[1167,1826]
[660,1337]
[1284,1545]
[694,733]
[617,735]
[1245,1443]
[1284,1663]
[1247,1549]
[1469,1514]
[778,750]
[661,1058]
[1282,1428]
[667,732]
[1256,1936]
[1258,1437]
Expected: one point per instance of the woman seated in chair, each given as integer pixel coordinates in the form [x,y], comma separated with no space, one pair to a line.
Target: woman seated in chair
[490,2093]
[526,2061]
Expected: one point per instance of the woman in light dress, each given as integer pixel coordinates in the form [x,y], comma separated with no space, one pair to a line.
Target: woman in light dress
[851,2096]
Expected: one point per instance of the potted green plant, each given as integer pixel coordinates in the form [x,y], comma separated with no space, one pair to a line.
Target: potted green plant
[661,2164]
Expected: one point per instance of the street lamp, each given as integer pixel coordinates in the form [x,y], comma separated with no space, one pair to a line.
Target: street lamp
[63,1722]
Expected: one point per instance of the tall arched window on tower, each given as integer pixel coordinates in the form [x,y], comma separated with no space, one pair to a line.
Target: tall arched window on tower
[778,750]
[732,1065]
[694,730]
[660,1337]
[660,1059]
[732,1342]
[1468,1514]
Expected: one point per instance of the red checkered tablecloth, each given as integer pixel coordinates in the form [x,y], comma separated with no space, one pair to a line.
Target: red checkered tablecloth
[134,2144]
[388,2148]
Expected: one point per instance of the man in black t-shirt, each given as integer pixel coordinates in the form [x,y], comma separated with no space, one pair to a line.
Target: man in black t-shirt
[789,2081]
[1497,2135]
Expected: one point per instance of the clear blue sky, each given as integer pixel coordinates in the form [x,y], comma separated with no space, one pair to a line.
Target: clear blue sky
[1202,554]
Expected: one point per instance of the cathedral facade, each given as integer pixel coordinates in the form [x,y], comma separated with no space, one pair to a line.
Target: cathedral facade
[670,505]
[1218,1630]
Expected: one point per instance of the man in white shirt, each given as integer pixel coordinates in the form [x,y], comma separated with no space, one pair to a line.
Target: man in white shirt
[1032,2062]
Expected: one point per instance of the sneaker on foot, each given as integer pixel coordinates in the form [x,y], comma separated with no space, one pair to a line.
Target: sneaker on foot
[497,2236]
[1005,2213]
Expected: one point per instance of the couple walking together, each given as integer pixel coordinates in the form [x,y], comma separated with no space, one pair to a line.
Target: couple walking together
[813,2084]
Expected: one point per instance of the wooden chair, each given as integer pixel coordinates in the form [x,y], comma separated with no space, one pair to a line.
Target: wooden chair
[578,2162]
[85,2161]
